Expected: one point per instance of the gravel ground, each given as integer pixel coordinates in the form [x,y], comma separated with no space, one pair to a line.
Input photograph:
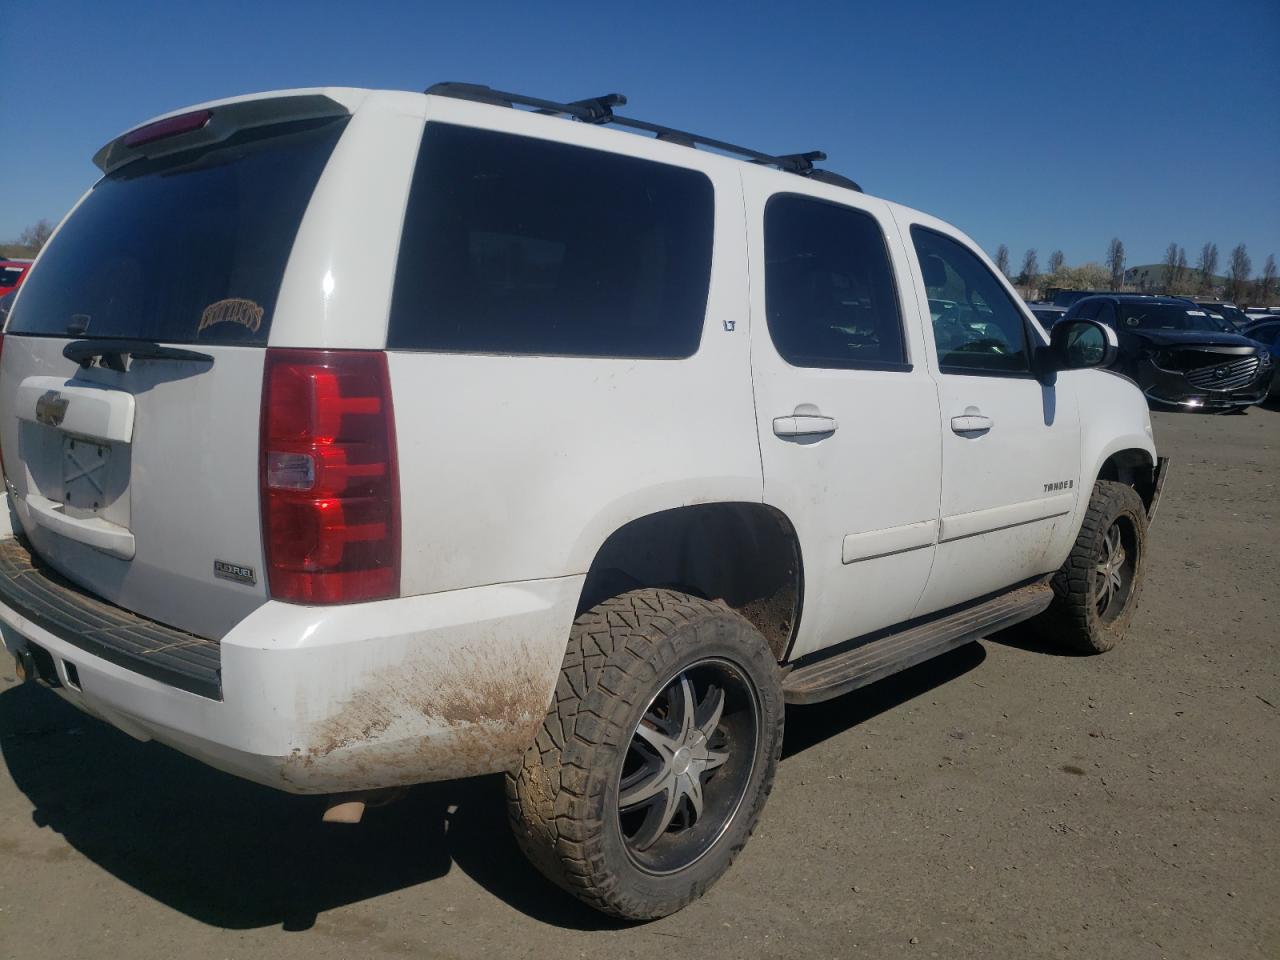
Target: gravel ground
[1001,801]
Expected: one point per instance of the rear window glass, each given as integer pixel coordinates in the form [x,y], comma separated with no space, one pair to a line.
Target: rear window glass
[188,248]
[513,245]
[9,276]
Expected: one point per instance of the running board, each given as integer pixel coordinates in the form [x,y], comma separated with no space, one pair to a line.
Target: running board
[876,659]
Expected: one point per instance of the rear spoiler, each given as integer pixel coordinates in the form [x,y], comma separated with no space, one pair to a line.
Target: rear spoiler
[204,126]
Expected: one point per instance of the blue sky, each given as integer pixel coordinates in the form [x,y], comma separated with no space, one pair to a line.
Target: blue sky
[1054,126]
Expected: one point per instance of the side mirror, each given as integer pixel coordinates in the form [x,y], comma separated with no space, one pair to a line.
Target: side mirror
[1078,344]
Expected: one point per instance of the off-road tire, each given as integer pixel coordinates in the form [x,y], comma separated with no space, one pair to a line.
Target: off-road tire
[563,800]
[1072,620]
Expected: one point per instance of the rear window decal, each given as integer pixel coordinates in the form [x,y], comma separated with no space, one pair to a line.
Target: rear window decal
[233,310]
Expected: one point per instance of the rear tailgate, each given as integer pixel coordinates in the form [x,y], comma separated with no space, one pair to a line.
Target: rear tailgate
[131,374]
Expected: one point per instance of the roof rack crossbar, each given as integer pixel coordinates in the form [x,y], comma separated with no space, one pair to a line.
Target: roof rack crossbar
[599,110]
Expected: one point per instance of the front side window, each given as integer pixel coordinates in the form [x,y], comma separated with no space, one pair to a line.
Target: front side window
[518,246]
[976,327]
[830,296]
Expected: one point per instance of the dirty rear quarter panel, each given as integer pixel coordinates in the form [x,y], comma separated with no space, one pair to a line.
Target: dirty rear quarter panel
[442,686]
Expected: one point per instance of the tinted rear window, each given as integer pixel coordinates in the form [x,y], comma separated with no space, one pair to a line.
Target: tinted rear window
[9,276]
[182,249]
[513,245]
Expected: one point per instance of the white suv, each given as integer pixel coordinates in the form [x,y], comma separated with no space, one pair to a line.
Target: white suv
[355,439]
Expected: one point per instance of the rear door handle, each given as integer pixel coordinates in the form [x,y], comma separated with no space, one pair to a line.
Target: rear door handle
[804,426]
[971,423]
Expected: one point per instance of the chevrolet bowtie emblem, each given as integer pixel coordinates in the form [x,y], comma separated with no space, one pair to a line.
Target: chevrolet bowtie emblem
[51,408]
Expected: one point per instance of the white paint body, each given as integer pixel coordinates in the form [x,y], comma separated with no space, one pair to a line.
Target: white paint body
[515,470]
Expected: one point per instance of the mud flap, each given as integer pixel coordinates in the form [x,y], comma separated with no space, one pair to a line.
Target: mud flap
[1158,476]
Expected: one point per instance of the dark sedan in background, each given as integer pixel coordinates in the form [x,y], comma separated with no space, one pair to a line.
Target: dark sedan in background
[1179,353]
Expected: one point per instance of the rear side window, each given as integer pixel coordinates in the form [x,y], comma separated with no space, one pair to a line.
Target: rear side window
[830,297]
[513,245]
[188,248]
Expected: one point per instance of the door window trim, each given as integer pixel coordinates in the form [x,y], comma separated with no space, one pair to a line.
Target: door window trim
[881,366]
[1029,342]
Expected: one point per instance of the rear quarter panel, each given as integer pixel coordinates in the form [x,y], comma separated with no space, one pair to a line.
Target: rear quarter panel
[519,467]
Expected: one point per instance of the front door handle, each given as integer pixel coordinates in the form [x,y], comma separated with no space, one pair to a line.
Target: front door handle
[804,426]
[971,423]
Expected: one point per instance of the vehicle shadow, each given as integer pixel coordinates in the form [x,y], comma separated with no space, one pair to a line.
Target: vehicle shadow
[1025,636]
[809,726]
[236,855]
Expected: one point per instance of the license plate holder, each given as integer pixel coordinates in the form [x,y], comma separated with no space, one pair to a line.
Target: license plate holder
[84,473]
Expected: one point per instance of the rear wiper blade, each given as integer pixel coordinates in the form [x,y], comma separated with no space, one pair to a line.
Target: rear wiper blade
[114,354]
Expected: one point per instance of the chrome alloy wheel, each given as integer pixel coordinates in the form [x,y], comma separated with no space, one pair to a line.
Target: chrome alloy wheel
[687,766]
[1113,573]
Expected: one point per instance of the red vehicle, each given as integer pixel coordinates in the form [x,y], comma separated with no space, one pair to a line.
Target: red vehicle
[12,273]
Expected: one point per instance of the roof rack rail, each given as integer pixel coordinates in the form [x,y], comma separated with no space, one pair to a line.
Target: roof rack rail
[599,110]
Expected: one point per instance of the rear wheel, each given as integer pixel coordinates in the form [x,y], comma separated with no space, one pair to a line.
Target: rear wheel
[1096,590]
[654,763]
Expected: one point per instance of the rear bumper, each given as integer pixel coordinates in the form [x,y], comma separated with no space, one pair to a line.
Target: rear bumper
[326,700]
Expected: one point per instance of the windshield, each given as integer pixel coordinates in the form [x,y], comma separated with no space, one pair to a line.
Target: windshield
[1169,316]
[189,248]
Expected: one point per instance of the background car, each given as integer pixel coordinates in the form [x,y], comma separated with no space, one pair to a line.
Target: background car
[1180,354]
[12,273]
[1266,331]
[1066,298]
[1224,309]
[1047,313]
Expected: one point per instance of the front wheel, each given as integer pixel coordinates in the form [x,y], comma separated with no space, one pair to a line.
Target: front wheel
[1096,590]
[654,762]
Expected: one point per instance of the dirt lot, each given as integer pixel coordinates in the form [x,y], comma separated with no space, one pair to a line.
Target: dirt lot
[1002,801]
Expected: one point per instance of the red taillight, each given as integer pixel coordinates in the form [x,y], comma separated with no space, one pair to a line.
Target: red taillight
[330,484]
[169,127]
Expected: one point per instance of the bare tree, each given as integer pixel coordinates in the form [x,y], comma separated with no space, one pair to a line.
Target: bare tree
[1030,270]
[1268,281]
[1115,262]
[36,235]
[1002,259]
[1207,265]
[1171,268]
[1056,260]
[1238,271]
[1180,271]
